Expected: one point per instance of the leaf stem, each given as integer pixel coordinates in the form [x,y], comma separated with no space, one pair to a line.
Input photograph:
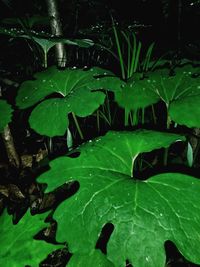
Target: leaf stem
[167,149]
[77,126]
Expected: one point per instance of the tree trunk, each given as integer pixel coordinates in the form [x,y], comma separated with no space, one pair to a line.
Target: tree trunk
[56,29]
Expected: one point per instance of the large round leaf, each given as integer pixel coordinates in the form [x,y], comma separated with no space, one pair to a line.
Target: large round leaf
[180,92]
[145,214]
[5,114]
[132,95]
[173,87]
[64,82]
[78,91]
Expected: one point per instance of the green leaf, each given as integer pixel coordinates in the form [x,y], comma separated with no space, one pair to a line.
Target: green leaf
[47,44]
[145,214]
[95,258]
[77,90]
[51,116]
[18,248]
[135,95]
[170,88]
[132,94]
[186,111]
[5,114]
[45,40]
[180,92]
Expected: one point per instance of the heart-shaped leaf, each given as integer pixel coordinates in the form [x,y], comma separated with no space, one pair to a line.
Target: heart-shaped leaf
[95,258]
[145,214]
[77,89]
[5,114]
[18,248]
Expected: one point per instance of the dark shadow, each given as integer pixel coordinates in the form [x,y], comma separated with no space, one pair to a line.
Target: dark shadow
[174,257]
[104,237]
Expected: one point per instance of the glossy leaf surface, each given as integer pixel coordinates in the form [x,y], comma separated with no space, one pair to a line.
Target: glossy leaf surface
[77,94]
[145,214]
[180,92]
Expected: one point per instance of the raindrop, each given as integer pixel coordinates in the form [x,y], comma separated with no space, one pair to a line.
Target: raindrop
[161,214]
[90,141]
[147,258]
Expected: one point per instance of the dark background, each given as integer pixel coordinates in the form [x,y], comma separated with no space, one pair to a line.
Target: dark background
[170,23]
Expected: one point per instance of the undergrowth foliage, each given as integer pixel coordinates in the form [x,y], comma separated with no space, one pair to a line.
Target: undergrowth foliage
[135,217]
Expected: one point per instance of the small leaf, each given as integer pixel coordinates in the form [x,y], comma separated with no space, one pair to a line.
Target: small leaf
[18,248]
[5,114]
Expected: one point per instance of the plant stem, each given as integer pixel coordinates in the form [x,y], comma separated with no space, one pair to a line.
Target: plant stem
[77,126]
[165,161]
[142,115]
[45,60]
[153,114]
[98,121]
[108,108]
[126,116]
